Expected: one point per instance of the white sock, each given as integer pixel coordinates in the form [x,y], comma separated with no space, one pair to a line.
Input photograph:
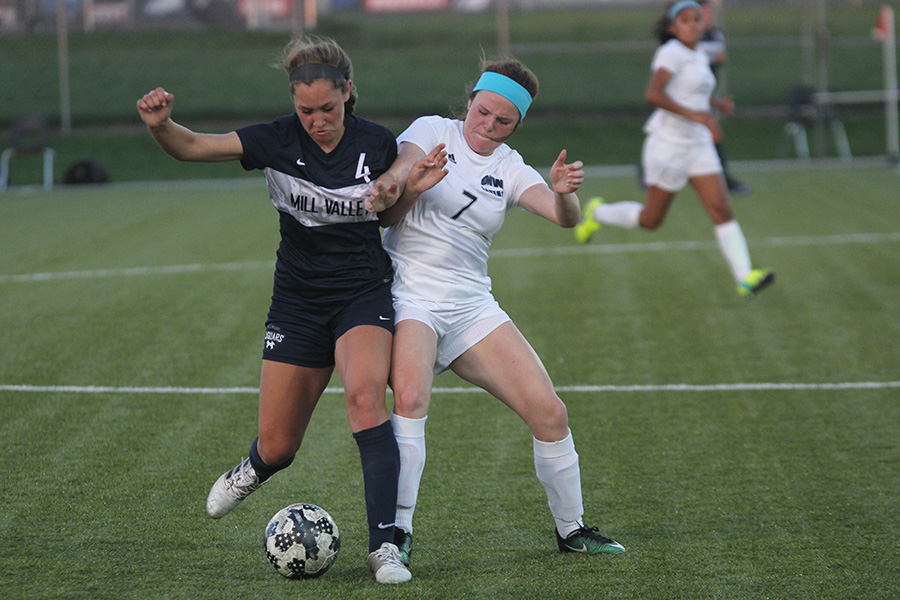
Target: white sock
[556,465]
[620,214]
[566,528]
[410,434]
[734,247]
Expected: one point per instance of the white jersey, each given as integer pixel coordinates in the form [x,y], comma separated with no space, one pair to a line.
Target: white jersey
[691,86]
[440,248]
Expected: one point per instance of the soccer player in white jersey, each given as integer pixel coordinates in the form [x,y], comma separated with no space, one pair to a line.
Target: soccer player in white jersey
[680,148]
[331,303]
[446,318]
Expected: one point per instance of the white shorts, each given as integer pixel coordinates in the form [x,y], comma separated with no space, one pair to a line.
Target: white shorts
[457,326]
[669,165]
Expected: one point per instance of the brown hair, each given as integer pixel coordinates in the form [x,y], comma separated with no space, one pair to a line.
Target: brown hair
[661,28]
[305,50]
[512,68]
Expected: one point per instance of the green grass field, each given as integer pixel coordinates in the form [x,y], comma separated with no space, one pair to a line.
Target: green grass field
[738,448]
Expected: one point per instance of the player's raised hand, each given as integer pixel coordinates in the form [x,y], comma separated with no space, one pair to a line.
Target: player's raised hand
[155,107]
[566,178]
[428,172]
[381,196]
[705,117]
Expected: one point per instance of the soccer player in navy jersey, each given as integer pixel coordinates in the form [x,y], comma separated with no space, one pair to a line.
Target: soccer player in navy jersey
[331,304]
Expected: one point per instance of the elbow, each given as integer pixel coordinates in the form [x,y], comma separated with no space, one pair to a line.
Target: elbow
[656,96]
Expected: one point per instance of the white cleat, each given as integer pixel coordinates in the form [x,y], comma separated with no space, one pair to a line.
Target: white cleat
[231,488]
[385,565]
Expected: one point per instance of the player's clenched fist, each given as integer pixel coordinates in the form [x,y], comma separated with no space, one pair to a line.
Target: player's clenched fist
[156,107]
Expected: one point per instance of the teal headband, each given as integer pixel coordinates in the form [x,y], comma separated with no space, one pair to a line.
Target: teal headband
[680,6]
[506,87]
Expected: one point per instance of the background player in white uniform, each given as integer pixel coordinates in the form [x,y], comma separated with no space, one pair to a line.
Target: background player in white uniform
[679,148]
[446,316]
[331,304]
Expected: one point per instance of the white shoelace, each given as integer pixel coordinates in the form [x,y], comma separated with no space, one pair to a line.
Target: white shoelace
[244,479]
[388,554]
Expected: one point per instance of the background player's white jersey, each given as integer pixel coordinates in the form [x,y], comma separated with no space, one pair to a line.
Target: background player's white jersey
[440,248]
[691,86]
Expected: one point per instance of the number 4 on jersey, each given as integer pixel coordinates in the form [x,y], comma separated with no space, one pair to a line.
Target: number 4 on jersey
[362,171]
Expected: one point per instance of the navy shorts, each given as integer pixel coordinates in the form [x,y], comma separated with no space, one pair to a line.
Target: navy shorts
[307,338]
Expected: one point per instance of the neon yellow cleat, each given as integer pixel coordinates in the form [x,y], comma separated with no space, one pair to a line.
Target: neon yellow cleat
[757,280]
[587,227]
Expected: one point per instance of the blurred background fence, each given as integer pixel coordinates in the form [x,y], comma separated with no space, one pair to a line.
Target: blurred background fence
[82,64]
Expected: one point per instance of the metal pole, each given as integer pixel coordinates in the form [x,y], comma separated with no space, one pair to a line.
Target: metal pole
[298,12]
[719,21]
[890,88]
[808,43]
[821,36]
[502,10]
[62,42]
[87,15]
[310,14]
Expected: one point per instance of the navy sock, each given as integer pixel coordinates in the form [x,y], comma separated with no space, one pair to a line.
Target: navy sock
[381,468]
[264,471]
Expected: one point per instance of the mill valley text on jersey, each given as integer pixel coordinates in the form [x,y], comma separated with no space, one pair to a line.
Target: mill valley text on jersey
[331,246]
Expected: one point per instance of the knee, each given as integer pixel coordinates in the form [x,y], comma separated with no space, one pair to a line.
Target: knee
[558,415]
[718,208]
[365,400]
[553,425]
[411,401]
[649,222]
[721,215]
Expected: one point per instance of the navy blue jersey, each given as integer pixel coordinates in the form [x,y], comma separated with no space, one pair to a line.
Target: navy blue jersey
[330,245]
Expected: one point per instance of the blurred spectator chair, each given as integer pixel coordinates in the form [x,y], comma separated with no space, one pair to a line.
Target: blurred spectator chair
[28,135]
[85,171]
[803,113]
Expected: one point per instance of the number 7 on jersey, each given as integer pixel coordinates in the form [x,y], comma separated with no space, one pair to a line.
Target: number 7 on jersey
[467,194]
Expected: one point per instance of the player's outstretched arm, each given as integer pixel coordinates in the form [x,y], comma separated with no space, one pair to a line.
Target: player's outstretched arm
[558,204]
[155,109]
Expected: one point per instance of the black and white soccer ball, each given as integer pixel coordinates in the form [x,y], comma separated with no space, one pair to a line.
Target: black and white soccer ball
[302,541]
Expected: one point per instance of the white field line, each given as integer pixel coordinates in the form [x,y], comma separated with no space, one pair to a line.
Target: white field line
[611,170]
[829,240]
[678,387]
[130,271]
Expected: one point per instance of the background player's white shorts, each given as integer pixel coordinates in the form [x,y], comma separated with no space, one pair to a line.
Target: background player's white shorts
[669,165]
[458,326]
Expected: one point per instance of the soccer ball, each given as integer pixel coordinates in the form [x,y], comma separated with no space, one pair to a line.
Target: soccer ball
[302,541]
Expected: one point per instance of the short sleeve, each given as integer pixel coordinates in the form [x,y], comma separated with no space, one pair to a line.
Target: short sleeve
[422,133]
[523,177]
[667,57]
[259,142]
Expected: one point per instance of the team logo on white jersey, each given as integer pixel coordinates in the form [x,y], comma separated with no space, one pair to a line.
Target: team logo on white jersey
[492,185]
